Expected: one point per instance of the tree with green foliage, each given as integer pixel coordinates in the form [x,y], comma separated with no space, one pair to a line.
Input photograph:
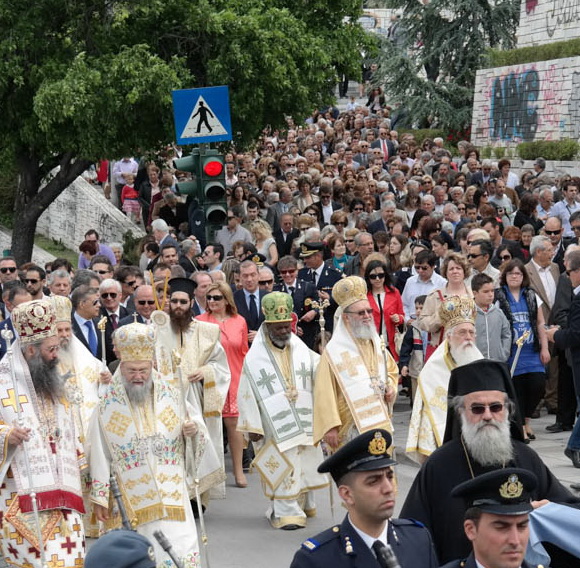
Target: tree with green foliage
[433,78]
[86,80]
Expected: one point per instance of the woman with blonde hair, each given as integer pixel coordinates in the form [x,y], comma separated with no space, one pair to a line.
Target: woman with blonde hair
[265,243]
[221,310]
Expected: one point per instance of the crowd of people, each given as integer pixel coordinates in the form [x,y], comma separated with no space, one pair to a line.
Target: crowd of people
[356,266]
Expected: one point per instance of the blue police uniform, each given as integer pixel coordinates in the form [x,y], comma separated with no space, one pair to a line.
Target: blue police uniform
[469,562]
[342,547]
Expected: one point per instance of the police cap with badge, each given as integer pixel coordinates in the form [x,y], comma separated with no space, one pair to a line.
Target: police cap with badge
[366,452]
[121,549]
[502,492]
[308,249]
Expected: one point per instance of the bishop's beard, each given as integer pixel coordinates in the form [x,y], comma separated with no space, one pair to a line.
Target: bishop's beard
[138,393]
[465,353]
[489,442]
[45,377]
[363,329]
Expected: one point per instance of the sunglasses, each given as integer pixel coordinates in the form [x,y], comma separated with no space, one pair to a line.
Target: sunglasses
[144,302]
[6,269]
[341,223]
[377,276]
[31,280]
[360,313]
[556,232]
[494,408]
[217,297]
[289,271]
[179,301]
[106,295]
[101,271]
[265,282]
[132,283]
[474,255]
[422,267]
[505,257]
[349,240]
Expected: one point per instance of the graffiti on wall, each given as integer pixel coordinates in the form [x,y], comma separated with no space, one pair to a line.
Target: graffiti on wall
[513,112]
[562,13]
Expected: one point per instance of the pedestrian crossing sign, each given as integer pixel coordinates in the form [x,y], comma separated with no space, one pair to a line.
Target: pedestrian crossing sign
[202,115]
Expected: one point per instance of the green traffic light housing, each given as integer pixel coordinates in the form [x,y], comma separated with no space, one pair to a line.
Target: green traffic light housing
[188,164]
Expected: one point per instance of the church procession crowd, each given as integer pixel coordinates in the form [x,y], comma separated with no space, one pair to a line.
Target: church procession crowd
[356,266]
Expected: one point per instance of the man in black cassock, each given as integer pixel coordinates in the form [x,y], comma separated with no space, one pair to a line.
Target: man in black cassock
[477,440]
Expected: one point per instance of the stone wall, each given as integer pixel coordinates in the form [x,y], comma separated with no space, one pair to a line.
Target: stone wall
[534,101]
[547,21]
[79,208]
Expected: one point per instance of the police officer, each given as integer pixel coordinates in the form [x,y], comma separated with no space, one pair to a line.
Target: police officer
[121,549]
[368,537]
[496,521]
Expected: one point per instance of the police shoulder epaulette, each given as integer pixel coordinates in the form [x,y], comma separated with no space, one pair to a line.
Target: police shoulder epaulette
[317,541]
[412,522]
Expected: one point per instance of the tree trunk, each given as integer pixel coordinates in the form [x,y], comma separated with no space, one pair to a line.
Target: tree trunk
[33,198]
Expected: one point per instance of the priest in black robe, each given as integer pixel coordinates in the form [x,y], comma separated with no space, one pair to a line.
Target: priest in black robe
[476,442]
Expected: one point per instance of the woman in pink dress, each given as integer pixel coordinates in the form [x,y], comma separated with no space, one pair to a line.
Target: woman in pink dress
[222,311]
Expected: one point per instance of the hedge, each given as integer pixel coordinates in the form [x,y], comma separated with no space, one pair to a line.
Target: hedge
[558,150]
[557,50]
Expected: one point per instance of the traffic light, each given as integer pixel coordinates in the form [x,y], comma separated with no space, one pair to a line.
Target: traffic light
[189,164]
[213,191]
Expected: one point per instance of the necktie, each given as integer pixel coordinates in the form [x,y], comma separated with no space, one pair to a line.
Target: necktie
[291,288]
[385,149]
[93,343]
[114,321]
[313,275]
[253,311]
[385,555]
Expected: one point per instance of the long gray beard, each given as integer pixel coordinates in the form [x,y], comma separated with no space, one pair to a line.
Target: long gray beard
[465,354]
[138,394]
[280,342]
[45,377]
[363,330]
[489,443]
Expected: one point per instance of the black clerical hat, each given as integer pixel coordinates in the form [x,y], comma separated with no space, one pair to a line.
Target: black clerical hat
[502,492]
[182,285]
[480,375]
[366,452]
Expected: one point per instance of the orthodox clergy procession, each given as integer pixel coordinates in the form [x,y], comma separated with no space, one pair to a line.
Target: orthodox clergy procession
[136,438]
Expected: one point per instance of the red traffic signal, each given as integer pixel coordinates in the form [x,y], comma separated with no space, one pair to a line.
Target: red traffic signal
[213,167]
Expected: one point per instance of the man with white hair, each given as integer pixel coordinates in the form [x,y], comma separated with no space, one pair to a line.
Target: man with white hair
[427,424]
[428,203]
[477,440]
[161,233]
[110,293]
[357,377]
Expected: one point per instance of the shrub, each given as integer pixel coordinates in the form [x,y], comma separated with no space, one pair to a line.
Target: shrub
[557,50]
[558,150]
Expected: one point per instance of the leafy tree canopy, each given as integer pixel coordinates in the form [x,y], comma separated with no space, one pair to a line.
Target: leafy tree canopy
[433,78]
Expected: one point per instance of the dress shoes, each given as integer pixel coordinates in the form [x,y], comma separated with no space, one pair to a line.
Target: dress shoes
[574,455]
[290,527]
[558,427]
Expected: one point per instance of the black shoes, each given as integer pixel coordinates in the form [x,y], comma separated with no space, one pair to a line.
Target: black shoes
[574,455]
[558,427]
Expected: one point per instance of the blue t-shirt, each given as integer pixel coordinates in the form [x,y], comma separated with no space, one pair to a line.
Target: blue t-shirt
[529,359]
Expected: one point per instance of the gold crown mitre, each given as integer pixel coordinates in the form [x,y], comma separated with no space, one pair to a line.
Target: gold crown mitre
[62,308]
[277,307]
[135,342]
[34,321]
[455,310]
[349,290]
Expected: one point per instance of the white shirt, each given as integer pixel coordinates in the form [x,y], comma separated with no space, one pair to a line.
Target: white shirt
[370,540]
[547,281]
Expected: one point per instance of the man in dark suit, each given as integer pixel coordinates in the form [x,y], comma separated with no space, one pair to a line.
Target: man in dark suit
[364,158]
[248,300]
[384,143]
[203,281]
[569,338]
[14,293]
[303,294]
[387,214]
[285,235]
[324,277]
[85,318]
[326,205]
[483,176]
[173,212]
[111,308]
[144,306]
[363,472]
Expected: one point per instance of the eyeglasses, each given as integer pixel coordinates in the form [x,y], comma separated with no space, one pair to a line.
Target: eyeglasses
[106,295]
[505,257]
[148,302]
[31,280]
[341,223]
[214,298]
[516,274]
[474,255]
[101,271]
[360,313]
[288,271]
[494,408]
[6,269]
[556,232]
[132,283]
[265,282]
[377,276]
[427,267]
[181,301]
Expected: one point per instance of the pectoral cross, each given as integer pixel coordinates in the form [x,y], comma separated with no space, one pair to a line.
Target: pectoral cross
[266,380]
[142,447]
